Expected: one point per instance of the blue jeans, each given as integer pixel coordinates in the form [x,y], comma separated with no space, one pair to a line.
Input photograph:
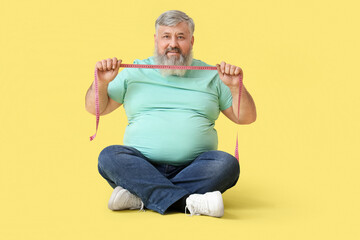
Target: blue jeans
[161,185]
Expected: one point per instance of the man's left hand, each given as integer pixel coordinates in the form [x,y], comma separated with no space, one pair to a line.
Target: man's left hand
[229,74]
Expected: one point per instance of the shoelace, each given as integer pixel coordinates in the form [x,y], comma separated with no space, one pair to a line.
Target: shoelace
[191,211]
[197,206]
[142,207]
[136,198]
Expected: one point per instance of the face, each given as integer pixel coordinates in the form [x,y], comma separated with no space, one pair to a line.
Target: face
[174,41]
[173,46]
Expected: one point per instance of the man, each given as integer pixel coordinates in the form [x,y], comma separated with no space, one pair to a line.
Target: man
[169,160]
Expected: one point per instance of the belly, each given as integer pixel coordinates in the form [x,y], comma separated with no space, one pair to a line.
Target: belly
[175,138]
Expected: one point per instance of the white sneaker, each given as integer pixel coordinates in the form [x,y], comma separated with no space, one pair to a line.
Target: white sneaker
[122,199]
[210,204]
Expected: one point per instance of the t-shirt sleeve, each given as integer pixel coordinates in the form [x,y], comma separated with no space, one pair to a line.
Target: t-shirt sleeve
[117,87]
[225,97]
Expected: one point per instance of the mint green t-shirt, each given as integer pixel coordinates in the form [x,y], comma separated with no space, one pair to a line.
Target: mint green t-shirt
[170,119]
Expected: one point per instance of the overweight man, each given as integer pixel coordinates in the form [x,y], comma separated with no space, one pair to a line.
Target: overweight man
[169,159]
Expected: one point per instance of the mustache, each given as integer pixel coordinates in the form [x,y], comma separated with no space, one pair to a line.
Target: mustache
[162,59]
[175,49]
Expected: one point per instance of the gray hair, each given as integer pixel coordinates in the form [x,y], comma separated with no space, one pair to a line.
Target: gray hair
[172,18]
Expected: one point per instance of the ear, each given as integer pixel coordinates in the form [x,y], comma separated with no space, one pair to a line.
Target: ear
[192,41]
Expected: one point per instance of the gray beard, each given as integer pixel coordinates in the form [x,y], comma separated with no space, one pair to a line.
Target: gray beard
[183,60]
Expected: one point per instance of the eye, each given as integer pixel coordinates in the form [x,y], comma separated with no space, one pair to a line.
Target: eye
[180,37]
[166,36]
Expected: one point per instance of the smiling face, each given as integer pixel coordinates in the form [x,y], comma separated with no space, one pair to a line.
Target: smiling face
[173,46]
[174,40]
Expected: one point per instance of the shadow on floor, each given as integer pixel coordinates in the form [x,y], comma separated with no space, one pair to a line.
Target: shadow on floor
[246,202]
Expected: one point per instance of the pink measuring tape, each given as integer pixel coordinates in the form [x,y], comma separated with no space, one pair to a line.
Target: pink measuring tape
[161,67]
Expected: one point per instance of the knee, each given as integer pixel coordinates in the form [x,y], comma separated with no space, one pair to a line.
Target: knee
[224,163]
[116,155]
[227,163]
[231,163]
[107,155]
[231,170]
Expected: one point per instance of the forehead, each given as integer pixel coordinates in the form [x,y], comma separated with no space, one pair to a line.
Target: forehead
[181,27]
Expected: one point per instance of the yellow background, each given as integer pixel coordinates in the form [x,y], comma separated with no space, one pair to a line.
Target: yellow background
[299,163]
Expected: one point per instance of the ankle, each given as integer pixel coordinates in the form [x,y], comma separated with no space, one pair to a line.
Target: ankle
[179,205]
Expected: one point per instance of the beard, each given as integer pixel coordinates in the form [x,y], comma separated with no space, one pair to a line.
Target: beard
[181,60]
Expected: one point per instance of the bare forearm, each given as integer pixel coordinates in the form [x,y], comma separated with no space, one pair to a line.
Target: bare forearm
[247,106]
[90,98]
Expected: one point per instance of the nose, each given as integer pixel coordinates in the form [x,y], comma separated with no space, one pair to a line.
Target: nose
[173,42]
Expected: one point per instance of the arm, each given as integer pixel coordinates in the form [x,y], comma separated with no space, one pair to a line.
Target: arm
[106,104]
[247,107]
[230,76]
[107,71]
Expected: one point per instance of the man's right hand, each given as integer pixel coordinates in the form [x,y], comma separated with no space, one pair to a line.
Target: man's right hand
[108,69]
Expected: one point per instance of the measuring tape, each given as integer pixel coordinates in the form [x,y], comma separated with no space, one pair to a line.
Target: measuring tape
[161,67]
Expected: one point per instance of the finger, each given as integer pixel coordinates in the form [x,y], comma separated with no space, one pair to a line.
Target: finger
[232,70]
[238,71]
[99,65]
[108,64]
[218,69]
[227,68]
[103,62]
[222,67]
[114,63]
[118,65]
